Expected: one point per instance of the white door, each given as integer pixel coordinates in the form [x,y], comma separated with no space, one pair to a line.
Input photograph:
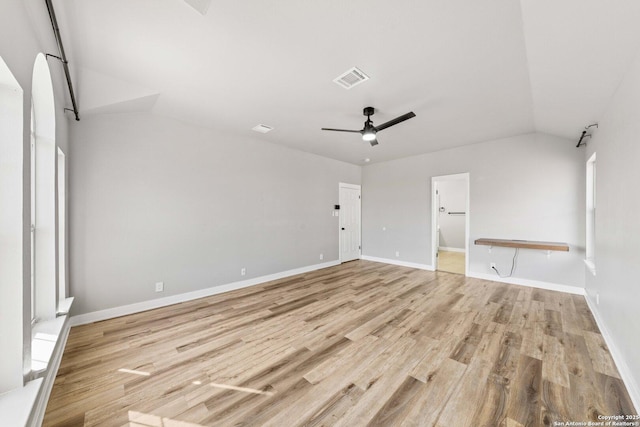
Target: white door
[437,222]
[349,196]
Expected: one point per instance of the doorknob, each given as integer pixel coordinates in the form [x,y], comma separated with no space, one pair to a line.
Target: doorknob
[343,228]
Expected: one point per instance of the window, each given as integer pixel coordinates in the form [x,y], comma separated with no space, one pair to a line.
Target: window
[44,190]
[591,214]
[62,214]
[33,213]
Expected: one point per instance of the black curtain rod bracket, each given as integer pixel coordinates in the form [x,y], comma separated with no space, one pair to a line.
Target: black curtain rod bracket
[585,134]
[62,57]
[53,56]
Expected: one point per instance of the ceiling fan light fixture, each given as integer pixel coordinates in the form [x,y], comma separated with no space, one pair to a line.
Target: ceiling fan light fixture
[369,135]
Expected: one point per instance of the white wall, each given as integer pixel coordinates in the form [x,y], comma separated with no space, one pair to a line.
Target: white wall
[617,249]
[153,199]
[527,187]
[453,198]
[11,286]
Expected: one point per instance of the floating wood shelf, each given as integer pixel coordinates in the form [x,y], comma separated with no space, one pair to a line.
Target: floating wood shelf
[524,244]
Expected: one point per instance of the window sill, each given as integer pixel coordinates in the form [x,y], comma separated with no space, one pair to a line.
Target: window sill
[591,266]
[44,337]
[16,405]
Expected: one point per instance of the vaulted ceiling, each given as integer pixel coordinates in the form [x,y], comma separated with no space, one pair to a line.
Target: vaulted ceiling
[471,70]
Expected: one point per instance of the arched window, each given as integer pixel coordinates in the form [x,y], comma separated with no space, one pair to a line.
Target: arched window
[44,188]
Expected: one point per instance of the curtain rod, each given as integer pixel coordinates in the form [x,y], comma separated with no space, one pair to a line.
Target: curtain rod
[62,57]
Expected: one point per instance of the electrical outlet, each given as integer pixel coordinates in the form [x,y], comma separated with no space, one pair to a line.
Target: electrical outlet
[243,271]
[321,257]
[397,254]
[159,286]
[492,265]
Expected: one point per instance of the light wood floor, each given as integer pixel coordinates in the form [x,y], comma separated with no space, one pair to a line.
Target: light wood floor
[358,344]
[452,262]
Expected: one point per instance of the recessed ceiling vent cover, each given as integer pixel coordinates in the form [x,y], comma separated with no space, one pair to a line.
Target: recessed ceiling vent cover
[262,128]
[351,78]
[200,5]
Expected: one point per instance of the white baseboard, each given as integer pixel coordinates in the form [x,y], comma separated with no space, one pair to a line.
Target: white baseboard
[448,249]
[530,283]
[124,310]
[625,373]
[398,262]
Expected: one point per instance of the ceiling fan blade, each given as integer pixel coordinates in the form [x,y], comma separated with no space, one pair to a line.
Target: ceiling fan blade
[342,130]
[395,121]
[373,142]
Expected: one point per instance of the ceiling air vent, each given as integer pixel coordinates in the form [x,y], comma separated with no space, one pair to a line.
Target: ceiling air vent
[262,128]
[351,78]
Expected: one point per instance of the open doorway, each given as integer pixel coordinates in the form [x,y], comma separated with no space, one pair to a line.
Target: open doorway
[450,222]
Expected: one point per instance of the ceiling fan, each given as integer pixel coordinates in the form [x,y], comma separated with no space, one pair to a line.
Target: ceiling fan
[369,131]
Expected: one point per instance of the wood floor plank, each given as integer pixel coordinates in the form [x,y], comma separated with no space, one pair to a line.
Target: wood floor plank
[525,394]
[491,342]
[393,411]
[370,345]
[381,389]
[471,388]
[334,409]
[553,404]
[493,410]
[570,320]
[362,343]
[600,355]
[616,397]
[533,340]
[433,355]
[587,322]
[425,407]
[466,348]
[554,368]
[553,323]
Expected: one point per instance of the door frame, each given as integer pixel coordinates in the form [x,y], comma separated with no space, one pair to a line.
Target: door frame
[358,187]
[434,215]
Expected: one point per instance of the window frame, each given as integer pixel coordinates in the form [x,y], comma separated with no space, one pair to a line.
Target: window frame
[591,203]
